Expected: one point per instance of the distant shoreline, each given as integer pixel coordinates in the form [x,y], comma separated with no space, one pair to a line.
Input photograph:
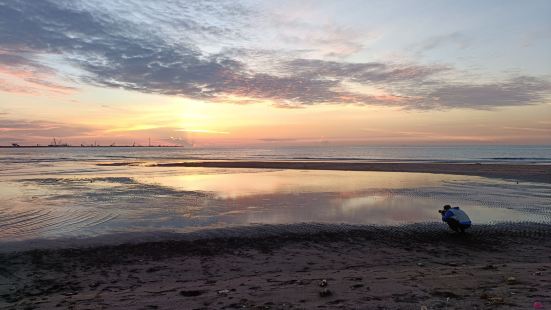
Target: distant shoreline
[519,172]
[82,146]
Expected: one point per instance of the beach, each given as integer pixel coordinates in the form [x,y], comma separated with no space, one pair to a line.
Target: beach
[170,234]
[275,154]
[412,267]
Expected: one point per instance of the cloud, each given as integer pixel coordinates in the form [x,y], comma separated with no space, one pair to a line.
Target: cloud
[155,47]
[104,48]
[531,129]
[204,131]
[40,129]
[35,77]
[9,87]
[526,90]
[181,141]
[301,25]
[373,72]
[329,40]
[455,39]
[278,139]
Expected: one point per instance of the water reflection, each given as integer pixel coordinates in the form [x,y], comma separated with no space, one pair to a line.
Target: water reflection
[366,208]
[238,183]
[187,199]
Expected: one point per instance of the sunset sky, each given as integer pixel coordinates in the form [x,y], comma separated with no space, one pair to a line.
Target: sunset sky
[271,73]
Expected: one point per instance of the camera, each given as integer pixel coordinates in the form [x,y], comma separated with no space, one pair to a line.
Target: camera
[441,211]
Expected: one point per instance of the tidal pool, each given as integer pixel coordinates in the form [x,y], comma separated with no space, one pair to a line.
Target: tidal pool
[89,202]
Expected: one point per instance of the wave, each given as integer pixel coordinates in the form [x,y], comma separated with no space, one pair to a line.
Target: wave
[520,158]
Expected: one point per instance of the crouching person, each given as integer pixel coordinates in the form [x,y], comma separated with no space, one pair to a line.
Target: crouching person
[456,218]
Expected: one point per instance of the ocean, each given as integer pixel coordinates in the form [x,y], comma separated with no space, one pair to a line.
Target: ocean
[538,154]
[57,193]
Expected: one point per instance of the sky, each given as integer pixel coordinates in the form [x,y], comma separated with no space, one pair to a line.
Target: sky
[275,73]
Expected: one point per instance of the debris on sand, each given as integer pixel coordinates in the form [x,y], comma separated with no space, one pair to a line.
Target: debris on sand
[492,299]
[223,292]
[191,293]
[446,294]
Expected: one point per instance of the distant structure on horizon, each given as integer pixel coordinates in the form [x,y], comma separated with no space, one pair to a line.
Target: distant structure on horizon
[57,143]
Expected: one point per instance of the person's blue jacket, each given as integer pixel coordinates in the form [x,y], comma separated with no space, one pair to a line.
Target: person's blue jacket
[458,215]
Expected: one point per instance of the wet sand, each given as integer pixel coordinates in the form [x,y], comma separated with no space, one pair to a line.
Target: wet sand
[532,173]
[503,266]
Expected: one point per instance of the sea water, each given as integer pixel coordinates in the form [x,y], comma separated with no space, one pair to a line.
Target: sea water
[531,154]
[62,192]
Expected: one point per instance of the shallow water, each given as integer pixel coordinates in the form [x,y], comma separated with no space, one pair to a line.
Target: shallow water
[79,199]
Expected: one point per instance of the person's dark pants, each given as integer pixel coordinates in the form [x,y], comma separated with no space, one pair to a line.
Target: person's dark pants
[456,226]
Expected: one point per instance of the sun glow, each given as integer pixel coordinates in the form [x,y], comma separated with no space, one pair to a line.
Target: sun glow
[207,131]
